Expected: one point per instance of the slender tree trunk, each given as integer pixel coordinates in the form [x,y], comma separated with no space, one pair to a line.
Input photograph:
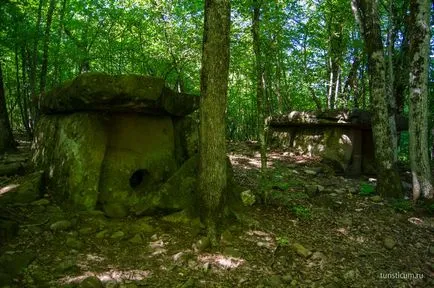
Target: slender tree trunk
[57,78]
[214,85]
[391,81]
[260,83]
[26,93]
[7,142]
[389,184]
[34,56]
[44,66]
[418,118]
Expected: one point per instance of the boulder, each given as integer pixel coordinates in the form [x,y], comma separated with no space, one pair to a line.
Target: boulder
[28,190]
[119,93]
[135,164]
[70,149]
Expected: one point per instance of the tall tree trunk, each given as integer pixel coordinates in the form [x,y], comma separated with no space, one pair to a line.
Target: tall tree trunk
[44,66]
[34,56]
[391,81]
[214,85]
[25,62]
[57,78]
[418,118]
[7,142]
[389,184]
[260,85]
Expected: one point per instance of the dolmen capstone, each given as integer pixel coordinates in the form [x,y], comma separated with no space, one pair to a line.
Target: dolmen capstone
[343,139]
[125,144]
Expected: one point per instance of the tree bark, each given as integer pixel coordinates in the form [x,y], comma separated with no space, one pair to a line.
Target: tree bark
[391,80]
[389,184]
[418,116]
[7,142]
[44,66]
[214,85]
[260,79]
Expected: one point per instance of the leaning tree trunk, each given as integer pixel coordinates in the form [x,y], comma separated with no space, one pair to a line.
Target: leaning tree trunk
[389,184]
[7,142]
[260,79]
[214,86]
[418,118]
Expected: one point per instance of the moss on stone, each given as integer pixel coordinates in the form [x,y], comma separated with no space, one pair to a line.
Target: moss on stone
[70,148]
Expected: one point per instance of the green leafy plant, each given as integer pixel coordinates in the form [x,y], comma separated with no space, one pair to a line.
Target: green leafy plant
[402,206]
[366,189]
[301,212]
[282,241]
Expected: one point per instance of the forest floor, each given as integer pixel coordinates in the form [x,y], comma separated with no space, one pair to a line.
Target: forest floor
[312,229]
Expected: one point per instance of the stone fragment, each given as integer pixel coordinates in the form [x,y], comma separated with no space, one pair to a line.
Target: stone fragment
[91,282]
[61,225]
[389,243]
[301,250]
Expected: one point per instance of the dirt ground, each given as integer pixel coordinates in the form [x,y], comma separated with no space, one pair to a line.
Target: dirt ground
[306,228]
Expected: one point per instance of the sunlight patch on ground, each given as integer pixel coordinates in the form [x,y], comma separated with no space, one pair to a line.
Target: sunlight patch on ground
[221,261]
[245,162]
[8,188]
[111,275]
[262,239]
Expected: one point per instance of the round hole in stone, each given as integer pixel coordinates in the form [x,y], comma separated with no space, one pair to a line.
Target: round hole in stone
[139,177]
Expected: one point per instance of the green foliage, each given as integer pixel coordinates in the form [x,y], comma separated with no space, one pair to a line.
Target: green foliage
[366,189]
[301,212]
[430,209]
[282,241]
[402,206]
[403,156]
[164,38]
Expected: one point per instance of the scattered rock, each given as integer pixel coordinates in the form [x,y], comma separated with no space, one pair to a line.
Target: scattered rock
[91,282]
[230,251]
[102,234]
[248,198]
[389,242]
[85,231]
[350,275]
[61,225]
[301,250]
[310,172]
[287,278]
[318,256]
[118,235]
[340,191]
[320,188]
[73,243]
[226,238]
[376,198]
[206,267]
[203,244]
[137,239]
[142,226]
[28,191]
[41,202]
[345,221]
[67,266]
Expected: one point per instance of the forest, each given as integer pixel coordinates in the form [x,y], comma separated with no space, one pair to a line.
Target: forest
[216,143]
